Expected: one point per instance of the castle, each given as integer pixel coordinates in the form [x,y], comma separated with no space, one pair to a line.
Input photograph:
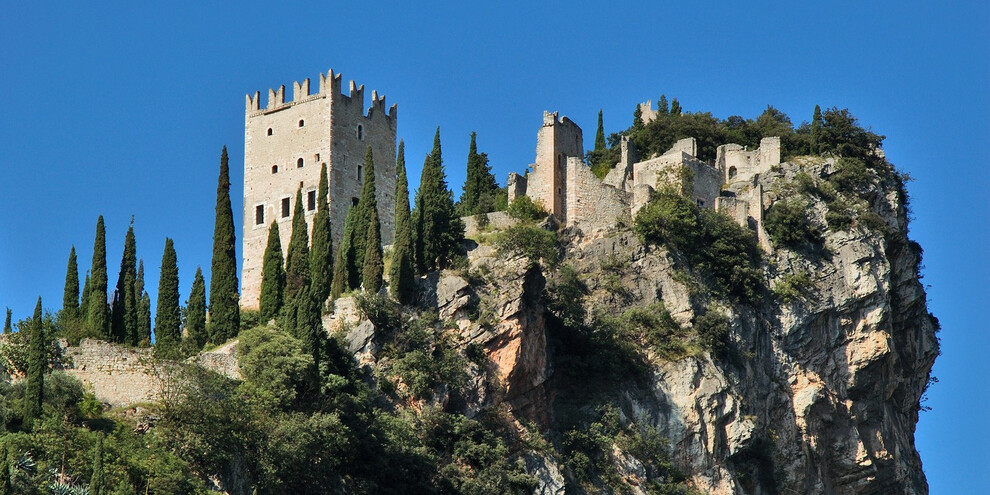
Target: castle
[285,145]
[575,196]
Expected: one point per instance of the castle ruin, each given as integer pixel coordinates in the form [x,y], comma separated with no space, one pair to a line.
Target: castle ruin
[285,145]
[568,189]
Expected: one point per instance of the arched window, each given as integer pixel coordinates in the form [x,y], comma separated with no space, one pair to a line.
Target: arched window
[299,163]
[732,172]
[360,132]
[269,131]
[274,169]
[302,122]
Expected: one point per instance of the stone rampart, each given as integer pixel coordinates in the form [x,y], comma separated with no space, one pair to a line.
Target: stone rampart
[592,205]
[118,375]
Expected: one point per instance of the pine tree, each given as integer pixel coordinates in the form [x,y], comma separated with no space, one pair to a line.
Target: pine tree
[225,316]
[96,482]
[374,267]
[144,307]
[37,362]
[297,261]
[6,323]
[362,217]
[600,133]
[480,187]
[196,314]
[662,105]
[637,118]
[675,107]
[123,320]
[70,295]
[168,315]
[321,254]
[97,311]
[343,265]
[401,276]
[272,277]
[438,229]
[816,129]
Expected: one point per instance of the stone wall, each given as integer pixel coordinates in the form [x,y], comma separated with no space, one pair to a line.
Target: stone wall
[323,128]
[592,205]
[558,139]
[740,165]
[118,375]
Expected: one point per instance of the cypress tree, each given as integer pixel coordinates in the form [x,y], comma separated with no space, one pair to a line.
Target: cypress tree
[675,107]
[37,362]
[97,311]
[6,323]
[309,326]
[816,129]
[342,266]
[401,276]
[70,295]
[637,118]
[662,105]
[144,307]
[600,133]
[362,217]
[96,482]
[438,229]
[168,316]
[84,304]
[123,321]
[373,265]
[297,262]
[321,255]
[480,188]
[196,314]
[5,485]
[272,277]
[225,316]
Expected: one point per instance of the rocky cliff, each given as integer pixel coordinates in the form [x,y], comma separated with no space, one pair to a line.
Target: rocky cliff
[607,355]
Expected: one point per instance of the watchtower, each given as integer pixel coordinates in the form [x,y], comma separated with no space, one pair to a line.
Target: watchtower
[286,144]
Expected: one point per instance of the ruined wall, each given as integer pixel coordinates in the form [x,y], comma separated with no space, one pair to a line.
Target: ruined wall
[558,139]
[516,185]
[591,204]
[323,128]
[740,165]
[647,113]
[667,170]
[118,375]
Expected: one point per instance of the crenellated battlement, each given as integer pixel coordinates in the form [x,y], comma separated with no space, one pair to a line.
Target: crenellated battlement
[330,86]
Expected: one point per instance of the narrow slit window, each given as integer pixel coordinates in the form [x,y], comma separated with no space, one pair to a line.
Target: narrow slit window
[299,163]
[359,173]
[360,132]
[302,123]
[259,215]
[269,131]
[274,169]
[311,200]
[285,207]
[317,157]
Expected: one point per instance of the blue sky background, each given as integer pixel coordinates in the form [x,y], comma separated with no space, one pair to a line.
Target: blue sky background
[121,110]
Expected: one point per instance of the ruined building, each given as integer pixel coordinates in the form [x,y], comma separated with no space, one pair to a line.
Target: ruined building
[575,196]
[285,145]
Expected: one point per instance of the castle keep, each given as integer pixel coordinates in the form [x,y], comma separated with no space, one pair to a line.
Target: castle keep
[285,145]
[575,196]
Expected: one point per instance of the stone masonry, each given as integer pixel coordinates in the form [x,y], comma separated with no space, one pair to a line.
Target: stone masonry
[286,143]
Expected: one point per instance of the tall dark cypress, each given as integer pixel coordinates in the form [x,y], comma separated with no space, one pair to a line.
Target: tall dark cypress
[6,323]
[123,321]
[309,326]
[321,254]
[70,295]
[196,314]
[37,362]
[297,261]
[438,229]
[272,277]
[374,266]
[401,273]
[600,133]
[675,107]
[816,129]
[362,215]
[662,105]
[637,118]
[84,299]
[225,316]
[144,307]
[96,481]
[343,265]
[168,315]
[97,311]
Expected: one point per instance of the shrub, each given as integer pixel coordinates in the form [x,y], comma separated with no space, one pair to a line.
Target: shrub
[525,209]
[565,297]
[713,332]
[850,175]
[788,224]
[532,242]
[793,286]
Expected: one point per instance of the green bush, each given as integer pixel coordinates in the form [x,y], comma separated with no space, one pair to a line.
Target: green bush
[565,297]
[851,175]
[793,286]
[534,243]
[713,332]
[788,225]
[525,209]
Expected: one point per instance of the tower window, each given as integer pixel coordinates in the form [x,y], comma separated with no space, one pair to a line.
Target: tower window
[259,214]
[285,207]
[360,132]
[317,158]
[359,173]
[299,163]
[269,131]
[311,200]
[274,169]
[732,172]
[302,123]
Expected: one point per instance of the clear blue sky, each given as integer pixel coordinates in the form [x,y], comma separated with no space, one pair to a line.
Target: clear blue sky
[122,110]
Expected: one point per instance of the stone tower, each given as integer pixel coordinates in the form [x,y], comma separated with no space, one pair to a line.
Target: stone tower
[286,143]
[558,139]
